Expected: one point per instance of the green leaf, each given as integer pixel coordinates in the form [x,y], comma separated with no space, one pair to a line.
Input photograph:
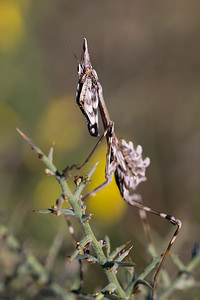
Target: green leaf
[123,255]
[108,246]
[193,263]
[112,263]
[177,262]
[143,282]
[80,248]
[115,252]
[81,186]
[86,217]
[87,257]
[50,154]
[62,211]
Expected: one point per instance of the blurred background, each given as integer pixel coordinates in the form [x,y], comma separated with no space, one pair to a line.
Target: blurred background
[147,56]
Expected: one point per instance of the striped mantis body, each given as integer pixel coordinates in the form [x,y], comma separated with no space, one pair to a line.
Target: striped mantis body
[122,160]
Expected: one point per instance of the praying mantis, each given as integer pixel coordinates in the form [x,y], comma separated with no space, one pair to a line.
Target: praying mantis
[122,160]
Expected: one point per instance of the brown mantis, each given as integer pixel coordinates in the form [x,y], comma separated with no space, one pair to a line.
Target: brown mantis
[122,159]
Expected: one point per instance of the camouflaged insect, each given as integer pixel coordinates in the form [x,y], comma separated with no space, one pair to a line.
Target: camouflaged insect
[122,159]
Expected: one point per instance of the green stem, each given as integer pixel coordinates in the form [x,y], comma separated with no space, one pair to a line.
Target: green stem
[142,276]
[78,212]
[193,263]
[95,244]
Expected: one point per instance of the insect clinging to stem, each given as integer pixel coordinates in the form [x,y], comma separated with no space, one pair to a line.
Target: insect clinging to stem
[122,160]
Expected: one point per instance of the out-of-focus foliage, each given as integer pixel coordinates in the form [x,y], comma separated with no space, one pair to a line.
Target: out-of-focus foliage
[11,25]
[147,58]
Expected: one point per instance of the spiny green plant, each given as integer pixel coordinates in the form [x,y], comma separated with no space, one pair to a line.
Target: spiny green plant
[90,249]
